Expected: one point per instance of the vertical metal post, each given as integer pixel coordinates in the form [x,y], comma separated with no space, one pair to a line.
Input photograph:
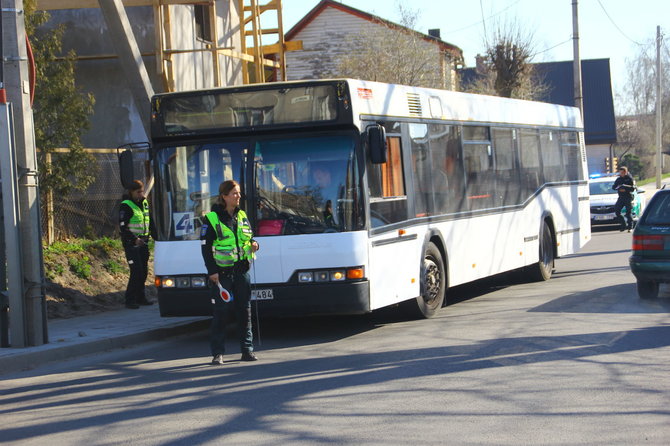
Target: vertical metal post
[51,234]
[659,121]
[12,282]
[577,64]
[18,89]
[10,210]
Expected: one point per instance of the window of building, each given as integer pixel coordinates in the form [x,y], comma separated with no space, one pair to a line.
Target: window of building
[203,29]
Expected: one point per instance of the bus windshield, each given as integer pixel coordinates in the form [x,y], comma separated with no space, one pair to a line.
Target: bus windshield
[307,185]
[188,186]
[302,185]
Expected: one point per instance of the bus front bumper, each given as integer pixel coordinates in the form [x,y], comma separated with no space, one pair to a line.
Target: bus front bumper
[287,300]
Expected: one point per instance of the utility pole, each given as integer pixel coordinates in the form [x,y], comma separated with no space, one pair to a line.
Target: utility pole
[659,122]
[576,64]
[31,329]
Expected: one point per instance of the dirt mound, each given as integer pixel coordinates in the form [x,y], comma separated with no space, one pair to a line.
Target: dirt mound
[87,276]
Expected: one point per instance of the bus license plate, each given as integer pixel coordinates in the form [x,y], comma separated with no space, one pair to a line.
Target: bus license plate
[262,294]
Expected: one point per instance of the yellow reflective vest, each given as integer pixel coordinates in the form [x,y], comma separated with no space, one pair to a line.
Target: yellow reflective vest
[229,248]
[139,222]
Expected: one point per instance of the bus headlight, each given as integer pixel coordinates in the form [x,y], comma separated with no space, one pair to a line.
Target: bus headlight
[198,282]
[337,275]
[183,282]
[168,282]
[305,276]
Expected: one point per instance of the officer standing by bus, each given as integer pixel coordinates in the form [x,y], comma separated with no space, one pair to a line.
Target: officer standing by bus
[624,185]
[228,249]
[135,228]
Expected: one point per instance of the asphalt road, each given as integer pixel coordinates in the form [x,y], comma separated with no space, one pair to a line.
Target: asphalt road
[576,360]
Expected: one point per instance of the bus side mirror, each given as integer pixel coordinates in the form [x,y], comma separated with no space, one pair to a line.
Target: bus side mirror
[126,168]
[377,143]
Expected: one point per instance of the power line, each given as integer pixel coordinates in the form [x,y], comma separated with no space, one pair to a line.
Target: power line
[617,26]
[552,47]
[481,21]
[481,8]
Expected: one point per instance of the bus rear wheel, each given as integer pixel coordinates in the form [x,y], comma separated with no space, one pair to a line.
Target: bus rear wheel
[543,269]
[433,285]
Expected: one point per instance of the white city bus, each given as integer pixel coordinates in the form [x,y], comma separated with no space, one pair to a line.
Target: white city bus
[364,195]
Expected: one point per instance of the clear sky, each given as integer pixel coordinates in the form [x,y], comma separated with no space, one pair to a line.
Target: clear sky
[613,29]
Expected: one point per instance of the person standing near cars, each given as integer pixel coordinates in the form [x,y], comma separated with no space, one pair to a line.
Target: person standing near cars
[228,249]
[135,228]
[624,185]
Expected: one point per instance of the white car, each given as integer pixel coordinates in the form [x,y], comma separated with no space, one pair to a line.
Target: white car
[603,199]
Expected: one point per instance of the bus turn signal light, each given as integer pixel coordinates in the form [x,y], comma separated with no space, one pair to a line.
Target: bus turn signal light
[355,273]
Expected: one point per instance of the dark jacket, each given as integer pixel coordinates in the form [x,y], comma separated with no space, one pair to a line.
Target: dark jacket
[624,185]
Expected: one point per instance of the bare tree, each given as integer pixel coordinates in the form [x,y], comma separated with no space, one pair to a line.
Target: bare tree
[636,123]
[385,52]
[506,69]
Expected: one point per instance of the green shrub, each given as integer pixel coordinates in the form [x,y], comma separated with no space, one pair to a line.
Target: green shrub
[51,271]
[113,267]
[80,266]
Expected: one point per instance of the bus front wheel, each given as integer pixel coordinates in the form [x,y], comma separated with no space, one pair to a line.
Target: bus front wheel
[433,285]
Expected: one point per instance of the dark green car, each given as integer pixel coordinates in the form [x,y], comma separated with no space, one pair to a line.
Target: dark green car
[650,262]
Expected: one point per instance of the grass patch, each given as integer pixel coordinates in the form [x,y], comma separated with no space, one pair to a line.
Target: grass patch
[652,180]
[113,267]
[80,266]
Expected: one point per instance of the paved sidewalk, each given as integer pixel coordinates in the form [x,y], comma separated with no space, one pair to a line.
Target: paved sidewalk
[84,335]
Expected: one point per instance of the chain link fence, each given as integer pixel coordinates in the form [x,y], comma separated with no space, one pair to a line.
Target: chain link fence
[94,212]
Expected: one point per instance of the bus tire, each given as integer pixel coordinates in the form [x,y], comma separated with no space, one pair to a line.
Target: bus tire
[433,286]
[543,269]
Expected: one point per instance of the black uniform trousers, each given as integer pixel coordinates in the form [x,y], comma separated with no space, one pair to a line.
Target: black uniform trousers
[138,262]
[626,202]
[238,284]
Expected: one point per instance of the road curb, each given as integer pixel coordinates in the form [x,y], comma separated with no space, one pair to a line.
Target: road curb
[27,360]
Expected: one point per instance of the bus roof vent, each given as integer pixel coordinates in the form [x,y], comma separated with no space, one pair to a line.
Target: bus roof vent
[414,104]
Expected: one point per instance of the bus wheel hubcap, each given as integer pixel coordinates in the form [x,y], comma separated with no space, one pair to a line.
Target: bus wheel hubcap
[432,280]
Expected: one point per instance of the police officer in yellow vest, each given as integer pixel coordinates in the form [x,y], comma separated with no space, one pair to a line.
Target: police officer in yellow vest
[228,249]
[135,228]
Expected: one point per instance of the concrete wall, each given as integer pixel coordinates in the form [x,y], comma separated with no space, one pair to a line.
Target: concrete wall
[595,157]
[115,120]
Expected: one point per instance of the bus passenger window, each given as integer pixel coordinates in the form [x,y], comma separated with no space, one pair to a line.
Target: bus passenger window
[393,184]
[571,155]
[529,160]
[552,159]
[507,174]
[478,163]
[388,202]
